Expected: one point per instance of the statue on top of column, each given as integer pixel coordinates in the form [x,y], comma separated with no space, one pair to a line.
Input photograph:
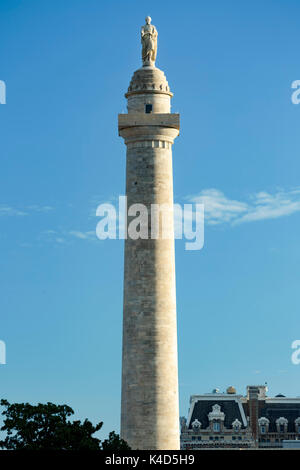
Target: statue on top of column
[149,43]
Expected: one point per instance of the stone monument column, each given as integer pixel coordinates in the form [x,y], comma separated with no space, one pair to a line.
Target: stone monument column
[150,411]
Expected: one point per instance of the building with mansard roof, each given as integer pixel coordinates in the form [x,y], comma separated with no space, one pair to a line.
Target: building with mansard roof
[230,420]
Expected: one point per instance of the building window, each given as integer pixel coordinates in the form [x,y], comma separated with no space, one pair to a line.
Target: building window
[281,424]
[216,426]
[263,425]
[199,438]
[236,425]
[196,425]
[148,108]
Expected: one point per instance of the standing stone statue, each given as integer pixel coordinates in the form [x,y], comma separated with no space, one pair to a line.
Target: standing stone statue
[149,43]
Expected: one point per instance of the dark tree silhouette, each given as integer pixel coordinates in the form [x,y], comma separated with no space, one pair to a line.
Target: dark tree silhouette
[114,442]
[46,427]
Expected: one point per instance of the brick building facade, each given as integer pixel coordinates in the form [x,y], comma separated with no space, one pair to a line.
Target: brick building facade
[229,420]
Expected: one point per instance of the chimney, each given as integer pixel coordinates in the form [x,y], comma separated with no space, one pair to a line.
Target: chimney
[253,394]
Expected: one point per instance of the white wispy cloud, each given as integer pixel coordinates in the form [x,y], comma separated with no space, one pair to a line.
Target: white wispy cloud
[11,211]
[65,236]
[37,208]
[271,206]
[52,236]
[88,235]
[8,210]
[217,207]
[220,209]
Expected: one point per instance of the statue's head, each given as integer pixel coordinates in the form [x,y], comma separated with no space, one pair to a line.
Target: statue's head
[148,19]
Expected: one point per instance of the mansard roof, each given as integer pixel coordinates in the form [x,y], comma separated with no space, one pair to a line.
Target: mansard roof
[287,409]
[201,406]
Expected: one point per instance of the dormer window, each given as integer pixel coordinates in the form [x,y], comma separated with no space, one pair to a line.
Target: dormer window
[216,426]
[236,425]
[281,424]
[216,418]
[148,108]
[263,424]
[196,425]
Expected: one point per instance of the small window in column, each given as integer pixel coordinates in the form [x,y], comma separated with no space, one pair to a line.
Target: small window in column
[148,108]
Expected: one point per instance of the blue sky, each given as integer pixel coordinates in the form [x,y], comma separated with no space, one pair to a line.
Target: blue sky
[67,65]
